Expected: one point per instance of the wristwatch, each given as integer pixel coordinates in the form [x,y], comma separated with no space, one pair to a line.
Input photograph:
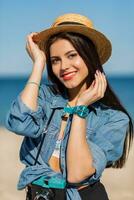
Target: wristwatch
[82,111]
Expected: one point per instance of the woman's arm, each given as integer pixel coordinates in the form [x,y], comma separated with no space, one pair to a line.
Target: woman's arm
[79,158]
[30,93]
[26,115]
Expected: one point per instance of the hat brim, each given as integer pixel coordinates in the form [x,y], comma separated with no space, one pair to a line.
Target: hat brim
[101,42]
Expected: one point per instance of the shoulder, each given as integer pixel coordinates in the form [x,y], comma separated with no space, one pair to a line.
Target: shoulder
[105,115]
[112,114]
[113,119]
[46,91]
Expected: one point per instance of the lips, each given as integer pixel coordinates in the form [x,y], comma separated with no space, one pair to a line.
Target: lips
[69,75]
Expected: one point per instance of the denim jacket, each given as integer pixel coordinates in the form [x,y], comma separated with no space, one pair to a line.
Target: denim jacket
[105,134]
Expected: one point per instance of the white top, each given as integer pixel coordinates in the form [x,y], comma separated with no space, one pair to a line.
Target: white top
[56,152]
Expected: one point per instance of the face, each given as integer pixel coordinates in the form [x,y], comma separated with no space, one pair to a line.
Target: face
[67,64]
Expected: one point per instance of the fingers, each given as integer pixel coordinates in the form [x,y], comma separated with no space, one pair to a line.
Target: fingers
[92,85]
[30,44]
[96,87]
[29,38]
[101,84]
[105,81]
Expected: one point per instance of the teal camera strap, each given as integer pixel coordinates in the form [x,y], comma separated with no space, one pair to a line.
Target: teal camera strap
[46,181]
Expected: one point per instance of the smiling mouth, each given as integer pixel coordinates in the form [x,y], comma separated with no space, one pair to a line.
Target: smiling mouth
[69,75]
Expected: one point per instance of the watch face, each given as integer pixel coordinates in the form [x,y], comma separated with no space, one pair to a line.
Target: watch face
[81,111]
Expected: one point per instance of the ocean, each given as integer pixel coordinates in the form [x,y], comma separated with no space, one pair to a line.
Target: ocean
[11,87]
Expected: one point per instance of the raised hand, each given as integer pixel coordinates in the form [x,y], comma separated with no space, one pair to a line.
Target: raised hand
[95,92]
[34,51]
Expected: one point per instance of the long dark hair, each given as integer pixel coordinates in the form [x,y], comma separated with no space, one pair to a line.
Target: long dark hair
[87,50]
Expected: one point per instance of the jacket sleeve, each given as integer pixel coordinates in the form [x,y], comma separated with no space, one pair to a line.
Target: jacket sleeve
[24,121]
[107,142]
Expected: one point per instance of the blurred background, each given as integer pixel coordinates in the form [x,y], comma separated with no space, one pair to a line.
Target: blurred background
[19,18]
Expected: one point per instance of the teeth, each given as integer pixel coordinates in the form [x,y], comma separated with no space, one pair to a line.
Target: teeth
[69,74]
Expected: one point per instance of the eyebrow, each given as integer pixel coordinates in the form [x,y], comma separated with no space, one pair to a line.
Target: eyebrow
[64,54]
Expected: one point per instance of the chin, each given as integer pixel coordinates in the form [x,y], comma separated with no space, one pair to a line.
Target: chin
[71,86]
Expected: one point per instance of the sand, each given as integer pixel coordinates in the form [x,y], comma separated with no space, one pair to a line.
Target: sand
[119,183]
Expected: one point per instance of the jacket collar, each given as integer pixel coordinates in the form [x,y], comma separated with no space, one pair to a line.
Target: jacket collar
[59,101]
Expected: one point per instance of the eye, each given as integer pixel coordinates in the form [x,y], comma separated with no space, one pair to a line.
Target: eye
[72,55]
[54,61]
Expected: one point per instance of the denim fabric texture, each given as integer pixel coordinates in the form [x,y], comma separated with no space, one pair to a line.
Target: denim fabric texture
[106,131]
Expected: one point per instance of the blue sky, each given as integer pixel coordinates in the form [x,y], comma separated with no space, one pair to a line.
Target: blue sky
[18,18]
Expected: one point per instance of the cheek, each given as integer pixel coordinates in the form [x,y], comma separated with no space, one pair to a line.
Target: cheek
[81,66]
[54,70]
[78,62]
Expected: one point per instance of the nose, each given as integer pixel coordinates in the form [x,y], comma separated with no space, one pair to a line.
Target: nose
[64,64]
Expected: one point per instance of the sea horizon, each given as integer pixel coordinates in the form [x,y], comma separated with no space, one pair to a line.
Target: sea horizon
[11,86]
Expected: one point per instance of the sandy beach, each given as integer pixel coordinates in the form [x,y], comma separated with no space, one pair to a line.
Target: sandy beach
[119,183]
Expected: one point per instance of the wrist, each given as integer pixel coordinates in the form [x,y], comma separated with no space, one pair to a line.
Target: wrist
[81,110]
[38,68]
[40,62]
[34,83]
[79,103]
[36,75]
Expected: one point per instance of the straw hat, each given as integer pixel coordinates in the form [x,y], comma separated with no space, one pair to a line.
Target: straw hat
[79,24]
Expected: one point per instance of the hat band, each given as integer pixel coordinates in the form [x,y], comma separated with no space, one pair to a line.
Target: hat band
[70,23]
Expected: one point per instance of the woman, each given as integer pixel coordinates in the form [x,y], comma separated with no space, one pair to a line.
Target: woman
[74,126]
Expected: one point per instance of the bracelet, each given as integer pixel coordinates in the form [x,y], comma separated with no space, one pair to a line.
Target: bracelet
[82,111]
[32,82]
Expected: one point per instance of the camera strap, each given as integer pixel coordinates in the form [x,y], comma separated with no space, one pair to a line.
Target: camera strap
[44,133]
